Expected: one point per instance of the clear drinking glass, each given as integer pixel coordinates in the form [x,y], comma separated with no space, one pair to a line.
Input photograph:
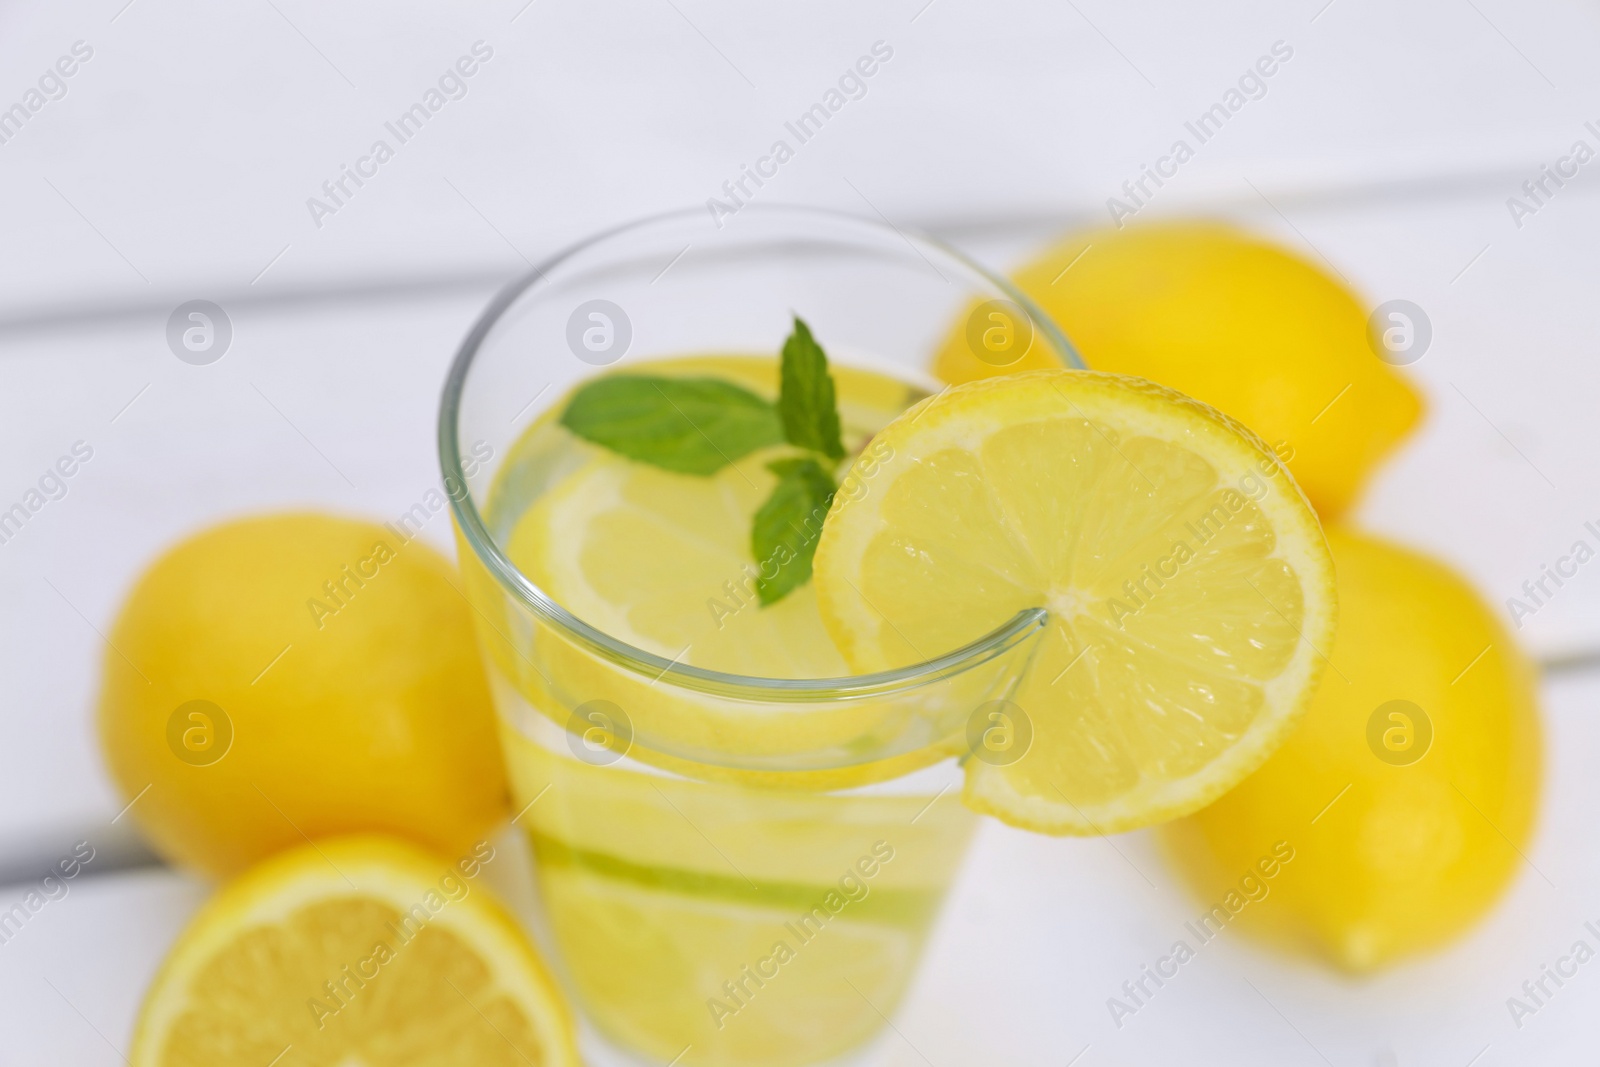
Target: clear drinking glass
[731,870]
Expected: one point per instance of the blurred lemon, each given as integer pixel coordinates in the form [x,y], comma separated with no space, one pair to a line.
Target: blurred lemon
[355,950]
[294,676]
[1407,793]
[1249,328]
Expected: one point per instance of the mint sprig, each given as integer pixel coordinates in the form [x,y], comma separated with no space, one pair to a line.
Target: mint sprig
[688,425]
[806,400]
[700,425]
[784,534]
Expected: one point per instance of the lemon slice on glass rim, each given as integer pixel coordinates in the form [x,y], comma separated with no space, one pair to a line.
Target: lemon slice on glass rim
[1188,583]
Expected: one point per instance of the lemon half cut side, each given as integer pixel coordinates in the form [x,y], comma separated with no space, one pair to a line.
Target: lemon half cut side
[1189,587]
[357,950]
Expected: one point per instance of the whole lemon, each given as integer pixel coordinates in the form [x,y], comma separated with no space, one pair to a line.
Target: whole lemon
[1250,328]
[295,676]
[1400,808]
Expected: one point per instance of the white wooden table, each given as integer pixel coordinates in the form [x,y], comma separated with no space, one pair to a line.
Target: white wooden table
[178,164]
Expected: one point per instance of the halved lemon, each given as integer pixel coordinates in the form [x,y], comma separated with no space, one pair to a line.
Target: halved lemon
[359,950]
[1188,583]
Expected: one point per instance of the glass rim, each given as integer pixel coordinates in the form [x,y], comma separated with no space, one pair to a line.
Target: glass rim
[469,521]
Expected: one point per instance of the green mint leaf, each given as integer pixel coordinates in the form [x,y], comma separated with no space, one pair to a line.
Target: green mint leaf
[783,537]
[688,425]
[806,401]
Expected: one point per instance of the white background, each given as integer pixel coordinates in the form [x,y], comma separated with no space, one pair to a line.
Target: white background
[178,166]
